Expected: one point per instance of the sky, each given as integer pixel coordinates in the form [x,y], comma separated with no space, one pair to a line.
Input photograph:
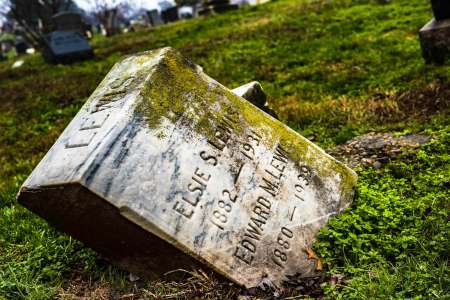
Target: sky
[87,5]
[146,4]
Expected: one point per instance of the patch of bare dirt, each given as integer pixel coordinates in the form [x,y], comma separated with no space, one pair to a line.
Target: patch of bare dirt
[382,108]
[376,149]
[426,102]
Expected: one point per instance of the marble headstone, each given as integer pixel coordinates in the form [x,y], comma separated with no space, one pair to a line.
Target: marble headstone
[165,168]
[435,35]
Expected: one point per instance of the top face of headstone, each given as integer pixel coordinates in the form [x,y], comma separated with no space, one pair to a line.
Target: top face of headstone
[189,161]
[253,92]
[65,42]
[441,9]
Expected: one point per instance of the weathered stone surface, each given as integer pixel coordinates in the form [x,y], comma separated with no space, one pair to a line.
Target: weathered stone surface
[435,41]
[163,164]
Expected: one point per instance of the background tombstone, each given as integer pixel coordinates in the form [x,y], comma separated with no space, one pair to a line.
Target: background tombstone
[441,9]
[218,6]
[165,168]
[254,93]
[186,11]
[170,14]
[154,18]
[21,46]
[69,21]
[435,35]
[6,45]
[66,47]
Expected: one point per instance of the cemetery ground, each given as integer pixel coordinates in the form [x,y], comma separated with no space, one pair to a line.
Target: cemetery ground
[333,70]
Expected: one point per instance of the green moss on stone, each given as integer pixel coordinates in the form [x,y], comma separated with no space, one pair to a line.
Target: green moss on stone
[178,91]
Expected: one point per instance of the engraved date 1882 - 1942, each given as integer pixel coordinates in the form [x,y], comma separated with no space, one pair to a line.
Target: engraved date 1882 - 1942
[196,187]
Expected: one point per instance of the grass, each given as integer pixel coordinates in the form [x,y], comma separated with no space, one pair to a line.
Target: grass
[333,70]
[394,240]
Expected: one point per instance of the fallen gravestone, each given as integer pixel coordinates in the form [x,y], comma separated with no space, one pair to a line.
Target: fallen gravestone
[435,35]
[66,47]
[164,168]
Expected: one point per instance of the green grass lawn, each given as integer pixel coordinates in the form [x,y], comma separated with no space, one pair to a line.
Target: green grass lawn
[334,70]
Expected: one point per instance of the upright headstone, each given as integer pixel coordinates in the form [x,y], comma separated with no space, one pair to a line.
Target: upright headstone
[21,46]
[218,6]
[154,18]
[6,46]
[112,21]
[66,47]
[69,21]
[254,93]
[435,35]
[165,168]
[441,9]
[170,14]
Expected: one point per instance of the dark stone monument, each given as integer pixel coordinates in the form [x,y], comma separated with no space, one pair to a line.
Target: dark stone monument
[154,18]
[217,6]
[435,35]
[69,21]
[441,9]
[170,14]
[66,47]
[21,46]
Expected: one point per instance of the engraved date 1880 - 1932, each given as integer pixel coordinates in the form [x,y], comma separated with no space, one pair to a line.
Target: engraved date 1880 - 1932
[283,244]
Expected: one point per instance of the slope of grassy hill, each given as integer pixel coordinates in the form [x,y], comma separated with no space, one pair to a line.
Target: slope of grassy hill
[334,69]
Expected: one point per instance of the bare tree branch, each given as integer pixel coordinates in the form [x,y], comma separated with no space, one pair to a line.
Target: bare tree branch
[35,17]
[107,13]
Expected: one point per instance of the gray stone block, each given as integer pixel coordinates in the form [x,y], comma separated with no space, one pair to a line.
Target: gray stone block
[435,41]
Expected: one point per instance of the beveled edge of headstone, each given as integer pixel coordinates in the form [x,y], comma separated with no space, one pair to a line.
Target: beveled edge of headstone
[433,24]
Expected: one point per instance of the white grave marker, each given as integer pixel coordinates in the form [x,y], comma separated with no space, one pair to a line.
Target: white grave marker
[164,168]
